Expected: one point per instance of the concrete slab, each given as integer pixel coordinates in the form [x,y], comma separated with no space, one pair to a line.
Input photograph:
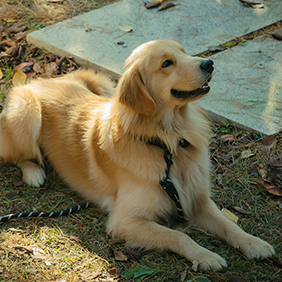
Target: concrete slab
[247,86]
[92,38]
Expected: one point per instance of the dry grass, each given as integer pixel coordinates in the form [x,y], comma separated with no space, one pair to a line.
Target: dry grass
[45,12]
[77,248]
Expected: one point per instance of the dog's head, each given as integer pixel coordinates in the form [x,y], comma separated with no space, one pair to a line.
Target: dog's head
[160,74]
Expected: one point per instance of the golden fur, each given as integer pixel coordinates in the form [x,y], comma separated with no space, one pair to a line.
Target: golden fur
[95,136]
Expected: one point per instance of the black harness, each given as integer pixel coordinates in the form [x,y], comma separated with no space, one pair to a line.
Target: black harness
[166,183]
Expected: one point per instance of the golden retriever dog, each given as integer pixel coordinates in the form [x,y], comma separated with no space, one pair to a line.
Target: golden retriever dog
[120,147]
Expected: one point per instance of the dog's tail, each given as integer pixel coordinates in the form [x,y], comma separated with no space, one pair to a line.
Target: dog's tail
[20,124]
[98,83]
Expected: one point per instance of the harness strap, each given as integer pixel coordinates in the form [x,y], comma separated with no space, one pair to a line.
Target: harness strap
[167,183]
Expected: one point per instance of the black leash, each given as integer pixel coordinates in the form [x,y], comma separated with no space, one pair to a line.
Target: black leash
[43,214]
[167,183]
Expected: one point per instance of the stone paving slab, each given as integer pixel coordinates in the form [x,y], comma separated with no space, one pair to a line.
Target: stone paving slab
[247,86]
[92,38]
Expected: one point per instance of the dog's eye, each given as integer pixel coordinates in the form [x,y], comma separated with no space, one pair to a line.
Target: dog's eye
[167,63]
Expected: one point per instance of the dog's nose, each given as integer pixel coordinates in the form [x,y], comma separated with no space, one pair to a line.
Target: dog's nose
[207,66]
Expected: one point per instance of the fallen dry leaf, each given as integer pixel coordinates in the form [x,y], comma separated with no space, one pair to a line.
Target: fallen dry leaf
[247,154]
[13,51]
[24,67]
[166,6]
[19,36]
[90,275]
[269,140]
[56,1]
[242,211]
[228,214]
[253,170]
[16,28]
[19,78]
[52,68]
[119,256]
[183,275]
[4,54]
[125,27]
[17,183]
[22,249]
[38,253]
[16,207]
[217,201]
[150,5]
[1,74]
[113,271]
[227,137]
[9,42]
[262,171]
[74,238]
[275,161]
[270,187]
[133,254]
[252,4]
[33,251]
[214,48]
[277,34]
[37,68]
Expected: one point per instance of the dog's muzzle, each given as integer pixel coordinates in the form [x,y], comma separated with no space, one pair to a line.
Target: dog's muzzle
[205,66]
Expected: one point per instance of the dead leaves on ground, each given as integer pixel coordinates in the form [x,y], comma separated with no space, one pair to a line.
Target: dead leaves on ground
[151,5]
[228,214]
[27,62]
[270,187]
[31,251]
[124,27]
[126,256]
[248,149]
[19,78]
[248,159]
[251,4]
[166,6]
[160,5]
[277,34]
[242,211]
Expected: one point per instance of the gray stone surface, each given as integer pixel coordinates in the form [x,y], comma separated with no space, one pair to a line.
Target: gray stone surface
[92,38]
[246,88]
[247,85]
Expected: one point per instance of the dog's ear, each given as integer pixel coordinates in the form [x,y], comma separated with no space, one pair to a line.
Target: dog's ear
[133,92]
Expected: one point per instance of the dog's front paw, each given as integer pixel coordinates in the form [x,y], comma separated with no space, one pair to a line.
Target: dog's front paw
[209,261]
[255,248]
[33,175]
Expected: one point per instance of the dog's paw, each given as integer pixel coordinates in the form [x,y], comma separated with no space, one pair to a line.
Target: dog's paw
[209,261]
[33,175]
[255,248]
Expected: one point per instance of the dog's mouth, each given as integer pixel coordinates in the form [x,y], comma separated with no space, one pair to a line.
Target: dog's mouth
[203,90]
